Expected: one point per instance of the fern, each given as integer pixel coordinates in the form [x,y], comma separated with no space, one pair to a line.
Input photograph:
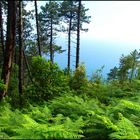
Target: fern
[107,122]
[40,114]
[125,129]
[33,130]
[74,106]
[37,123]
[3,135]
[130,105]
[72,117]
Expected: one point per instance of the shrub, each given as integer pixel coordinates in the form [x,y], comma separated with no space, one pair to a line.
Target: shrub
[78,80]
[2,85]
[49,80]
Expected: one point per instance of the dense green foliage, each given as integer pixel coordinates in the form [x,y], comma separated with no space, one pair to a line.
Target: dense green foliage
[2,86]
[49,80]
[71,106]
[47,102]
[70,116]
[37,123]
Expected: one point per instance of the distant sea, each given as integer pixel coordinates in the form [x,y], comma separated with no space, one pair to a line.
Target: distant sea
[95,54]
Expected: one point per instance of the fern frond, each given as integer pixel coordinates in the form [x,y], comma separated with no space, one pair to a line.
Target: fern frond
[126,129]
[130,105]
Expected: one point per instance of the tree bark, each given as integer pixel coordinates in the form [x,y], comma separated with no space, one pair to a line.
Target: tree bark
[69,42]
[78,34]
[51,39]
[20,51]
[10,43]
[37,27]
[1,29]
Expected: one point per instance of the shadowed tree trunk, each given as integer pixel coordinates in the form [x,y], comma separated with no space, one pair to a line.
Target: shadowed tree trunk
[1,30]
[78,34]
[37,27]
[20,52]
[10,43]
[51,44]
[69,41]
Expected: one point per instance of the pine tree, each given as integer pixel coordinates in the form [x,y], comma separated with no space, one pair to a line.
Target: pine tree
[69,15]
[68,12]
[49,22]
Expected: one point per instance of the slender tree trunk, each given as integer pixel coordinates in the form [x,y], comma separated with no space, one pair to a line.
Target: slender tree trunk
[78,34]
[69,38]
[10,43]
[20,52]
[37,27]
[51,45]
[1,29]
[69,42]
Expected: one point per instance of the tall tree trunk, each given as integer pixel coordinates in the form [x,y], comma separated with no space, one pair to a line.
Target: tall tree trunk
[10,43]
[69,42]
[1,30]
[78,34]
[51,44]
[37,27]
[20,52]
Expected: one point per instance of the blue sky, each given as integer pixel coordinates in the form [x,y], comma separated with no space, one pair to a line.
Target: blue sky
[114,30]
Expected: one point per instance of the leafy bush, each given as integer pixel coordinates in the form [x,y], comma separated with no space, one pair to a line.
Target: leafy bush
[13,93]
[78,80]
[2,85]
[49,80]
[97,76]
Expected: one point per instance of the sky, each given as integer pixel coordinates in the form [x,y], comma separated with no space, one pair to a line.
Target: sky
[114,30]
[114,21]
